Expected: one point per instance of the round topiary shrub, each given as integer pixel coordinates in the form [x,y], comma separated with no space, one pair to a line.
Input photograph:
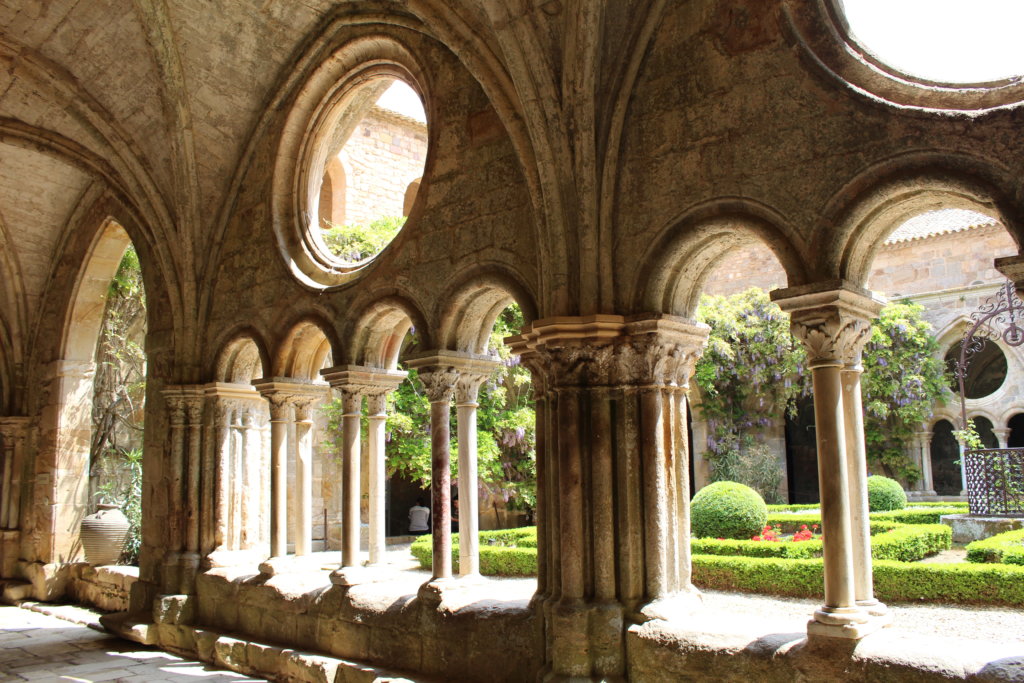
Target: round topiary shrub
[726,509]
[885,494]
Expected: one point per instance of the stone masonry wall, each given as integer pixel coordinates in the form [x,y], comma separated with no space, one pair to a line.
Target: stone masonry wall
[384,154]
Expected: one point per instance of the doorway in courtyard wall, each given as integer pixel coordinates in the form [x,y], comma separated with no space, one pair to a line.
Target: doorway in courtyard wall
[945,454]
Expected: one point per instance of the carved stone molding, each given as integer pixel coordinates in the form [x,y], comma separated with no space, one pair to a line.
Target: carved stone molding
[289,397]
[439,383]
[612,351]
[447,373]
[356,381]
[467,388]
[832,319]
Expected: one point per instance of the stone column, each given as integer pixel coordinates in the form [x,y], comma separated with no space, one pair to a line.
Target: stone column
[354,382]
[185,405]
[1002,435]
[439,378]
[290,400]
[613,481]
[303,450]
[13,434]
[833,321]
[377,417]
[352,407]
[923,446]
[440,385]
[864,588]
[466,390]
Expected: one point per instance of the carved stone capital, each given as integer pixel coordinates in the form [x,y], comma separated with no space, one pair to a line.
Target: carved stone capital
[351,400]
[612,351]
[376,404]
[14,429]
[467,388]
[185,402]
[833,320]
[289,397]
[445,373]
[356,381]
[439,383]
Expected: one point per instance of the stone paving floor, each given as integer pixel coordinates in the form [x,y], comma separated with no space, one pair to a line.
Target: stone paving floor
[43,648]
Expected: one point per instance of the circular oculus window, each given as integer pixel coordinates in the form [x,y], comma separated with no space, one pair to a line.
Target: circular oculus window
[366,171]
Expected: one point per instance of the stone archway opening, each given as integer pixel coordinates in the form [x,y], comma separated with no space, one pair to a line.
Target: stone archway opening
[118,399]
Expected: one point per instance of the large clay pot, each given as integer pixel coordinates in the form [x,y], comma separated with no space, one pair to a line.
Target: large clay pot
[103,535]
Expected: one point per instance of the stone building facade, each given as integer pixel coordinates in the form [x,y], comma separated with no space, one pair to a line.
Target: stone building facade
[592,161]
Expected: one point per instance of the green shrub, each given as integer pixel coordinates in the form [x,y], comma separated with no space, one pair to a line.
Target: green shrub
[1007,547]
[726,509]
[885,494]
[912,542]
[912,516]
[963,507]
[504,552]
[991,584]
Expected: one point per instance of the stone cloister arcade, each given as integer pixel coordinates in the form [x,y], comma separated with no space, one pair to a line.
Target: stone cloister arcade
[591,161]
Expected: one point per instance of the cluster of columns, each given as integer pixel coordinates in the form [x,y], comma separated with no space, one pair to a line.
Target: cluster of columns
[355,383]
[13,432]
[834,323]
[446,375]
[238,431]
[613,480]
[291,439]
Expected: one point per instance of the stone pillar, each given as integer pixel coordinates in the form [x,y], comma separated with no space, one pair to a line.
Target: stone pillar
[13,435]
[290,403]
[377,417]
[466,390]
[857,466]
[440,385]
[183,473]
[923,446]
[833,321]
[613,481]
[303,450]
[1002,435]
[354,382]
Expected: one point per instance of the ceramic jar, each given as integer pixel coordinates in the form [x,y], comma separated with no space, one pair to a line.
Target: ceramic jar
[103,535]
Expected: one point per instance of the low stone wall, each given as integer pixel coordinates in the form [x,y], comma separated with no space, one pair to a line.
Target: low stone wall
[106,588]
[663,651]
[461,639]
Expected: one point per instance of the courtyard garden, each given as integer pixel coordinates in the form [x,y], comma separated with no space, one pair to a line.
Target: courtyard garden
[741,544]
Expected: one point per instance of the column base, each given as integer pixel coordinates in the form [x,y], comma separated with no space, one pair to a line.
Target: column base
[288,564]
[353,576]
[875,610]
[673,606]
[432,592]
[849,623]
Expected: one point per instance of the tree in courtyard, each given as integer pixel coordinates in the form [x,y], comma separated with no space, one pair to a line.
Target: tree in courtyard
[903,378]
[750,374]
[506,439]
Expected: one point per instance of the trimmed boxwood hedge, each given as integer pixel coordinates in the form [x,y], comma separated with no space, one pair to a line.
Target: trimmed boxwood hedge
[982,584]
[889,541]
[911,542]
[790,522]
[1007,547]
[727,509]
[504,552]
